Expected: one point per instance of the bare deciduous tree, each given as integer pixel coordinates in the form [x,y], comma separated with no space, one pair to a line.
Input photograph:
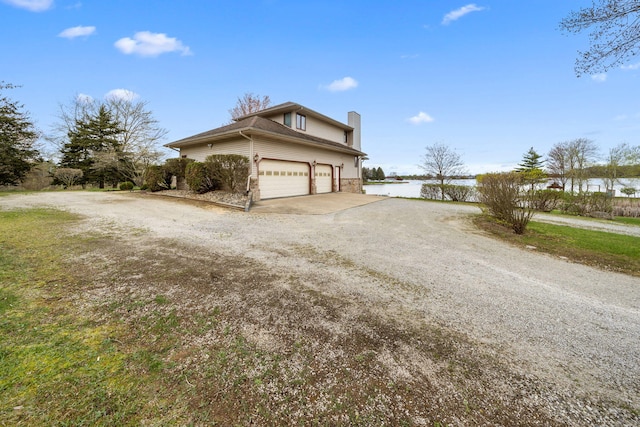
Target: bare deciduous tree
[68,176]
[614,36]
[139,139]
[558,163]
[72,113]
[568,161]
[616,157]
[249,103]
[619,157]
[443,163]
[583,153]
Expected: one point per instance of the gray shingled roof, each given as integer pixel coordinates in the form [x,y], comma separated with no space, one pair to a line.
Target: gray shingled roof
[262,126]
[295,108]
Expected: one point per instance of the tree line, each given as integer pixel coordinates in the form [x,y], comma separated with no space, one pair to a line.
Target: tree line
[97,142]
[373,174]
[111,142]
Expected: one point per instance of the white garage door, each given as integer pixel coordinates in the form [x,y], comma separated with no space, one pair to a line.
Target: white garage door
[323,179]
[283,179]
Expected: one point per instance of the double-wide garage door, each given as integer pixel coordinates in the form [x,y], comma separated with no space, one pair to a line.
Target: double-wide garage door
[283,179]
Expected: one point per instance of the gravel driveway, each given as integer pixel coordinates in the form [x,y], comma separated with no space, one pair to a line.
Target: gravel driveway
[574,329]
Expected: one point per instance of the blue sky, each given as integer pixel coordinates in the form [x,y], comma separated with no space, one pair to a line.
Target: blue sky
[490,79]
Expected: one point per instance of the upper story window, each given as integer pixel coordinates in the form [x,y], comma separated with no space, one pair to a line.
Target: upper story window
[301,122]
[287,119]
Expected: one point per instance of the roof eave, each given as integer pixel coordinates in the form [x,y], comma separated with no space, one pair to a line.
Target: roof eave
[253,131]
[297,140]
[205,138]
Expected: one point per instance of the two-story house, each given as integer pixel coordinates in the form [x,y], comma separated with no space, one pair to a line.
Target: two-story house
[293,150]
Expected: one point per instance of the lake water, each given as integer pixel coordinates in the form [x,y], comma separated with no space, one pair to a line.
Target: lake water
[411,188]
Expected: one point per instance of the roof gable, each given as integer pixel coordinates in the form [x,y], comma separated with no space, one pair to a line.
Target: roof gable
[295,108]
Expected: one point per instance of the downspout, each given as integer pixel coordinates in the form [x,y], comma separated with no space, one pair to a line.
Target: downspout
[250,159]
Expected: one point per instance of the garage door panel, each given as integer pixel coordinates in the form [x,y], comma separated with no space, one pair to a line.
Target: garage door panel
[324,179]
[278,178]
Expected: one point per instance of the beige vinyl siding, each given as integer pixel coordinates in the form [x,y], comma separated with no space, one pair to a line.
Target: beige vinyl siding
[201,151]
[315,127]
[324,130]
[279,118]
[270,149]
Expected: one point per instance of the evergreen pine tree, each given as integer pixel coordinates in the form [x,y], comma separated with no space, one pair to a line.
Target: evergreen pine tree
[530,161]
[93,147]
[17,138]
[531,168]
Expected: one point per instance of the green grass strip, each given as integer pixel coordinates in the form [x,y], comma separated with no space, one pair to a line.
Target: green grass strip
[56,367]
[610,251]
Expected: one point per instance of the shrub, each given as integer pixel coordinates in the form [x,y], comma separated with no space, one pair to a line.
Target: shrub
[546,200]
[229,170]
[157,178]
[626,207]
[177,167]
[126,186]
[519,219]
[588,204]
[199,178]
[459,193]
[430,191]
[600,204]
[505,199]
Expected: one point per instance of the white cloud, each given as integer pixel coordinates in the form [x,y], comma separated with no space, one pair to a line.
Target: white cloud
[78,31]
[600,78]
[341,85]
[454,15]
[83,98]
[146,43]
[422,117]
[631,66]
[124,94]
[32,5]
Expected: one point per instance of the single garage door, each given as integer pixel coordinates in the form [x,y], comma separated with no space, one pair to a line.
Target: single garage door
[323,179]
[277,178]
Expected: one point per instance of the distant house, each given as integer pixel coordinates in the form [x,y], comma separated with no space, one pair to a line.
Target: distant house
[293,150]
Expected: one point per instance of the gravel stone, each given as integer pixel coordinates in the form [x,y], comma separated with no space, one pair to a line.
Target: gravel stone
[566,328]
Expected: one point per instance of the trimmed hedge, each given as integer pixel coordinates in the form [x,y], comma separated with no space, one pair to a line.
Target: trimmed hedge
[455,193]
[199,178]
[177,167]
[157,178]
[230,170]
